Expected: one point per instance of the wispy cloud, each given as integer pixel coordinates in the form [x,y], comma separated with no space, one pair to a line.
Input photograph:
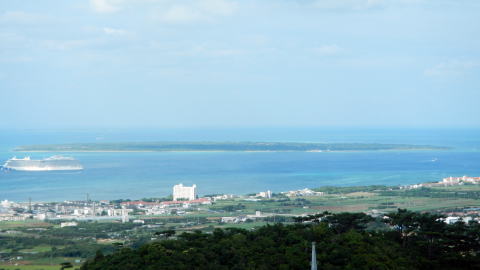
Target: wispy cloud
[114,31]
[452,68]
[63,45]
[195,11]
[349,4]
[226,52]
[328,50]
[218,7]
[15,59]
[360,4]
[208,51]
[204,50]
[180,14]
[20,17]
[106,6]
[172,11]
[9,40]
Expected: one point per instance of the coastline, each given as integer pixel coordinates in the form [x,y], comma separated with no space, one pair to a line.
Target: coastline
[224,147]
[222,151]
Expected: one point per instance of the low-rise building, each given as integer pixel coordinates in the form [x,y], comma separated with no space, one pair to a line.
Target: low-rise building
[68,224]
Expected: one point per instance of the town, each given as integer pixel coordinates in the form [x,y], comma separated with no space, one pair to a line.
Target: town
[448,181]
[185,201]
[72,230]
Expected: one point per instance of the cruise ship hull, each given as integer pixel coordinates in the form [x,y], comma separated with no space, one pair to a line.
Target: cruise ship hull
[56,163]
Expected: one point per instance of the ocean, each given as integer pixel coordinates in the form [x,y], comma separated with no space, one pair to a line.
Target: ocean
[136,175]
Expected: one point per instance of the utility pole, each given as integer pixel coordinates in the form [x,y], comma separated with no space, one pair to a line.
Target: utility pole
[29,204]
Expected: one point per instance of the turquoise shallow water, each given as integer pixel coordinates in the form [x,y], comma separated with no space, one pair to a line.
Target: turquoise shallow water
[137,175]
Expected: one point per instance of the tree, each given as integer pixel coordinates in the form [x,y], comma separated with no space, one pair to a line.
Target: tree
[403,222]
[344,222]
[166,233]
[312,218]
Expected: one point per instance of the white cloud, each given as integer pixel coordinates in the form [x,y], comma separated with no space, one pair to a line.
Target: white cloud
[361,4]
[200,50]
[349,4]
[181,14]
[452,68]
[171,11]
[10,40]
[195,11]
[63,45]
[114,31]
[106,6]
[15,59]
[218,7]
[226,52]
[328,50]
[20,17]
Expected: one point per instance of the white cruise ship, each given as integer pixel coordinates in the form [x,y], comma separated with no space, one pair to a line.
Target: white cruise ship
[54,163]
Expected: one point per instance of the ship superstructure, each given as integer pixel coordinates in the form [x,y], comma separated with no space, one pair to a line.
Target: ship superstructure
[54,163]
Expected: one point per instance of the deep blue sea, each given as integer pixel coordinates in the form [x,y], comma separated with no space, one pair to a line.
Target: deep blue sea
[147,174]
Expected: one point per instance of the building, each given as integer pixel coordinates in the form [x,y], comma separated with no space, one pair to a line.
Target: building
[68,224]
[303,192]
[183,192]
[125,217]
[265,194]
[239,219]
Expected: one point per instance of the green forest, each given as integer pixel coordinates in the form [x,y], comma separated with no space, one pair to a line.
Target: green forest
[400,240]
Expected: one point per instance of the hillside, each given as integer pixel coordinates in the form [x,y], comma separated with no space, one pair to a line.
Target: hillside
[405,240]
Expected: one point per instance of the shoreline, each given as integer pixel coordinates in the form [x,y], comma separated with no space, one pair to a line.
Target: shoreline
[225,147]
[221,151]
[341,189]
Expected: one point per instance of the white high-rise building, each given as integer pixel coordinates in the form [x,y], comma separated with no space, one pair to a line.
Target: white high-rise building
[183,192]
[265,194]
[125,217]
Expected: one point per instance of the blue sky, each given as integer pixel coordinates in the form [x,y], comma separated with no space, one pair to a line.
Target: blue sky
[229,63]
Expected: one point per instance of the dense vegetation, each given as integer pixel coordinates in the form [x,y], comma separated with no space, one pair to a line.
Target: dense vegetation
[403,240]
[225,146]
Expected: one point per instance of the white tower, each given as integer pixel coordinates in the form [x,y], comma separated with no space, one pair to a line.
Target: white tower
[314,257]
[125,217]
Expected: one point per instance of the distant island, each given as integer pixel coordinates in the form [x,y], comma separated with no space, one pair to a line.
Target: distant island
[221,146]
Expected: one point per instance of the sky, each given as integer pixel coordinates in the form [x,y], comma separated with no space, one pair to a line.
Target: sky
[239,63]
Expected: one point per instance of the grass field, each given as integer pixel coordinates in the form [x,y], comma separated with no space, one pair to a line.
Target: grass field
[40,248]
[30,267]
[358,201]
[41,264]
[5,225]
